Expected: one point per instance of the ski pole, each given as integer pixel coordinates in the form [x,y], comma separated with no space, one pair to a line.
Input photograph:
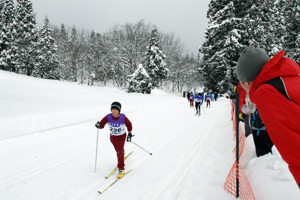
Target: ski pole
[203,108]
[142,148]
[96,150]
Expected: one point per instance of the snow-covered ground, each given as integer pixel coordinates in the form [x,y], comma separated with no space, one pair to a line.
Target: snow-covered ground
[48,142]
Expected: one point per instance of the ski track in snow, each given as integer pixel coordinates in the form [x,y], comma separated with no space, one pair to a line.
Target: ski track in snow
[138,160]
[195,146]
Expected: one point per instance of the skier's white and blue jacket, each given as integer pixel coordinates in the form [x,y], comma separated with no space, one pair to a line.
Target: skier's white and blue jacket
[198,99]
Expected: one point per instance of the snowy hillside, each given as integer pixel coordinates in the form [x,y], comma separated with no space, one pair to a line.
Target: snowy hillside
[48,140]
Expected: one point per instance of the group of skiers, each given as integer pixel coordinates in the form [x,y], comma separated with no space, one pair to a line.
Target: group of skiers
[269,99]
[199,99]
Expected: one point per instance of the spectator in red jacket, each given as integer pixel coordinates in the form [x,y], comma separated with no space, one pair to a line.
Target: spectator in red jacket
[274,86]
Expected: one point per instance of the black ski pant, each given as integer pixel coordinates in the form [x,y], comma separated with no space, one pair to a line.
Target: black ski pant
[263,143]
[248,130]
[198,106]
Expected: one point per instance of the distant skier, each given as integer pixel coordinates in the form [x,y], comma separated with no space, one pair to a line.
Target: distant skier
[188,96]
[207,99]
[117,123]
[216,96]
[198,102]
[191,98]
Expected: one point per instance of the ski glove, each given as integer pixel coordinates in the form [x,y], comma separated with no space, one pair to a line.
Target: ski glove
[129,136]
[97,124]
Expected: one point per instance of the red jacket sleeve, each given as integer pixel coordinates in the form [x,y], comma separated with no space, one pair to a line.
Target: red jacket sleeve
[103,122]
[128,124]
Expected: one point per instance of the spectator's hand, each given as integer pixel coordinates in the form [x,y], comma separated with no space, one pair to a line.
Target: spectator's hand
[97,124]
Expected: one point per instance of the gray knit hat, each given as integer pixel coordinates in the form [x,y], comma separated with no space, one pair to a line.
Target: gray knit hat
[251,63]
[116,105]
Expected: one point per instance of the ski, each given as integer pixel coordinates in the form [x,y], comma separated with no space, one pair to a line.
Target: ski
[115,169]
[101,192]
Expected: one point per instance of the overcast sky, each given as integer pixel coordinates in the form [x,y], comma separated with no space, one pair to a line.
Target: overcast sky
[185,18]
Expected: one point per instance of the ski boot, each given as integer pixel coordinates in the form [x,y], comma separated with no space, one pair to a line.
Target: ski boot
[121,174]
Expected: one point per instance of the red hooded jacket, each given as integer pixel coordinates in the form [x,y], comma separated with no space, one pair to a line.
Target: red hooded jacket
[280,115]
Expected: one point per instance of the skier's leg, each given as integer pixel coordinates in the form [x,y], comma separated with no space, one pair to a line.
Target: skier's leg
[118,143]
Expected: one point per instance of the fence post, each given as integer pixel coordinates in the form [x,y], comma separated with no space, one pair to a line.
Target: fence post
[237,144]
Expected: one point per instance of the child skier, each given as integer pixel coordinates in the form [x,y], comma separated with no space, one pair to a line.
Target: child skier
[117,122]
[191,99]
[207,99]
[188,96]
[198,102]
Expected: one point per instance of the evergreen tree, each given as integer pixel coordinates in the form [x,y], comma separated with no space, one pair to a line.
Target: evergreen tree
[47,60]
[7,14]
[232,26]
[279,27]
[155,65]
[63,52]
[140,81]
[96,68]
[222,48]
[291,13]
[82,69]
[261,23]
[25,33]
[73,55]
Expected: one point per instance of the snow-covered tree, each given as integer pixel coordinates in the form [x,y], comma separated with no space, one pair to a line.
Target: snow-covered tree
[25,36]
[7,14]
[95,66]
[222,47]
[73,55]
[62,52]
[47,57]
[279,27]
[140,81]
[260,24]
[290,9]
[82,69]
[155,65]
[232,26]
[124,47]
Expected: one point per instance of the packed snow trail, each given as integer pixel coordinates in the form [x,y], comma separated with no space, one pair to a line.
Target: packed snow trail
[48,137]
[60,161]
[191,155]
